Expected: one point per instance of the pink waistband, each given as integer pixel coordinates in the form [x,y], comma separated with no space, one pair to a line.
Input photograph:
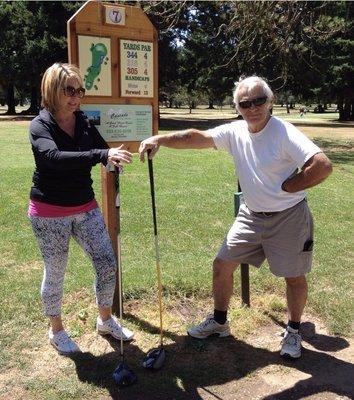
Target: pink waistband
[38,209]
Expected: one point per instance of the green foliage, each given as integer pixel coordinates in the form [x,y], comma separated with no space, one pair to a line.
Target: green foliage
[33,37]
[305,49]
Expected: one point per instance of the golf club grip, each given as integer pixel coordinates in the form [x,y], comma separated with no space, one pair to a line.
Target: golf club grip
[152,190]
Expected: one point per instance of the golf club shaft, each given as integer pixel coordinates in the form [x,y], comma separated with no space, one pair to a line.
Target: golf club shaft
[157,252]
[119,258]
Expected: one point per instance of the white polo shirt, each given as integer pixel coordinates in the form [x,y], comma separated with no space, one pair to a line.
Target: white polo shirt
[264,160]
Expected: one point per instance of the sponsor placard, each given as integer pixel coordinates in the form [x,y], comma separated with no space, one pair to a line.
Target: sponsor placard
[117,122]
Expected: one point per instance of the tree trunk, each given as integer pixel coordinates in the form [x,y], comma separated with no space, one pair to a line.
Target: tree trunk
[287,108]
[347,109]
[34,107]
[211,105]
[10,100]
[340,109]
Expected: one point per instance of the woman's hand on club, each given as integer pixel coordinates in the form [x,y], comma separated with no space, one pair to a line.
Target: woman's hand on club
[117,155]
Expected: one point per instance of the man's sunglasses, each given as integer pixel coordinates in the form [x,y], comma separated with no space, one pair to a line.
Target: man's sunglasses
[259,101]
[70,91]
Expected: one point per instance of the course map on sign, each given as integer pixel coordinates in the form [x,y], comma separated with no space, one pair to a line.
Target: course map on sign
[137,71]
[118,123]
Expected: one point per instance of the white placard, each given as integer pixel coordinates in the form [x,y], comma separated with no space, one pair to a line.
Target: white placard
[114,15]
[137,68]
[119,123]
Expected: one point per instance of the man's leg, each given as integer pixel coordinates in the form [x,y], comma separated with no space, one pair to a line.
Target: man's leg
[223,282]
[222,290]
[296,295]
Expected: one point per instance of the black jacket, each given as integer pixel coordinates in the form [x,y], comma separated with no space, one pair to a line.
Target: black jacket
[63,164]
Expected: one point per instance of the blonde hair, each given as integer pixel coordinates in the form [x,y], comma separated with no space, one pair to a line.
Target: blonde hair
[250,83]
[54,80]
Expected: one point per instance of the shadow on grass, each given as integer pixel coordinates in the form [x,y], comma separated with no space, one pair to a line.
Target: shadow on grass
[317,340]
[339,151]
[16,117]
[329,123]
[173,124]
[192,366]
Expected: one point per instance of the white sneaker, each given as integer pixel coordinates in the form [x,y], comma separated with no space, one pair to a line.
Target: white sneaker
[209,327]
[113,327]
[62,342]
[291,343]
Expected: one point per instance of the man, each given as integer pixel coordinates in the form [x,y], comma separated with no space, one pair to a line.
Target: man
[275,162]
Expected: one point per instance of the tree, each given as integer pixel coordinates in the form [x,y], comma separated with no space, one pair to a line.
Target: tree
[170,19]
[11,44]
[333,33]
[33,37]
[298,46]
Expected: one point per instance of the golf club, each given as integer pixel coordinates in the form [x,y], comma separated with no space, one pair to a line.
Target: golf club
[122,375]
[155,357]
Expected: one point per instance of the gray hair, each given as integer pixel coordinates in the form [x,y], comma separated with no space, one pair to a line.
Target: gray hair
[250,82]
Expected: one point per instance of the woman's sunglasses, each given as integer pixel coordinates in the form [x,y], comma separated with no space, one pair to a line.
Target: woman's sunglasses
[70,91]
[259,101]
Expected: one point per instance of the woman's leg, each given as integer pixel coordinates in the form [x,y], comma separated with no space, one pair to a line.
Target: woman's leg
[53,236]
[90,232]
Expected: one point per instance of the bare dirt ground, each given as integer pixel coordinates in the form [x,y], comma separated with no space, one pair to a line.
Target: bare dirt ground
[232,368]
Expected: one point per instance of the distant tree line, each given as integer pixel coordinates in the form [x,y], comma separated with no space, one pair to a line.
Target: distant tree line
[303,48]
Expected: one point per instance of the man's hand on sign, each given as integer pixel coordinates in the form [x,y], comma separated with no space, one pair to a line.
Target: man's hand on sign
[148,144]
[118,155]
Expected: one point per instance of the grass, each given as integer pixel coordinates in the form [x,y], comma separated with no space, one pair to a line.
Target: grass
[194,195]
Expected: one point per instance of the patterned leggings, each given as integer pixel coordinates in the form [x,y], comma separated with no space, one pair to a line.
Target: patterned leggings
[53,236]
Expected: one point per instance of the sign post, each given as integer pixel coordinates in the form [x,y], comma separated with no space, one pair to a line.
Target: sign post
[115,47]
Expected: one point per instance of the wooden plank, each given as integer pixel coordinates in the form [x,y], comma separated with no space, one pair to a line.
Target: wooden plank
[118,100]
[155,120]
[94,29]
[108,204]
[134,16]
[90,20]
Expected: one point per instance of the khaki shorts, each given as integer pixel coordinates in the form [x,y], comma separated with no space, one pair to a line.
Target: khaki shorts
[285,239]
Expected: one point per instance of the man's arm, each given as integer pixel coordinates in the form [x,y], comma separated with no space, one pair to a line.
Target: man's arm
[314,171]
[189,139]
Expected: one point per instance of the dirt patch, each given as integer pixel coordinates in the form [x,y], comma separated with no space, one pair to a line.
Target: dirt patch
[244,366]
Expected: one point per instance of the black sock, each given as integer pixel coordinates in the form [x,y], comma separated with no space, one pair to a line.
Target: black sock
[294,325]
[220,316]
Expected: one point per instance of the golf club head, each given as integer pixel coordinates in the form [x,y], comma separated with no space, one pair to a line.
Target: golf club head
[154,359]
[123,375]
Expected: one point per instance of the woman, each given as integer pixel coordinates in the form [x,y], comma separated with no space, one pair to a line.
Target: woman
[62,203]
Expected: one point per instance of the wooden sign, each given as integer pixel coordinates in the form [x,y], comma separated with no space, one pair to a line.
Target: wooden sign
[115,47]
